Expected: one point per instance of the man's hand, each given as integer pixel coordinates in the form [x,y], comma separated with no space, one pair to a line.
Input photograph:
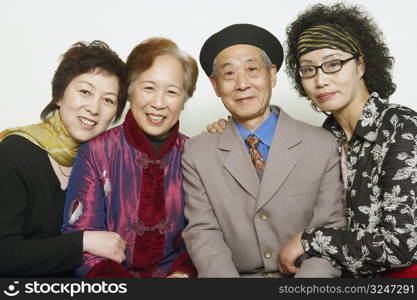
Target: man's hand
[217,126]
[106,244]
[288,254]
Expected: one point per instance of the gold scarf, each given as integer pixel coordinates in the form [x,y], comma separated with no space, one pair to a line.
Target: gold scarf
[50,135]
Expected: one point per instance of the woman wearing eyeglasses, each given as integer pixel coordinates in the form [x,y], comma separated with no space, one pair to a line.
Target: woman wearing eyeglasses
[339,61]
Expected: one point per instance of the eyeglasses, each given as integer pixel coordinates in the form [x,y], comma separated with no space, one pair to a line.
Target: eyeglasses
[329,67]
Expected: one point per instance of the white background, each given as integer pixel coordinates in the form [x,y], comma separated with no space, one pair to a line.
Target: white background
[35,33]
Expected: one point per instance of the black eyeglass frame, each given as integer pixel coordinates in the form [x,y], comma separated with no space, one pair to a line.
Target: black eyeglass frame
[342,62]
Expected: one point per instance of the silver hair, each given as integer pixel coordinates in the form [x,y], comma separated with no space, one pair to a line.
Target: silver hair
[265,57]
[184,58]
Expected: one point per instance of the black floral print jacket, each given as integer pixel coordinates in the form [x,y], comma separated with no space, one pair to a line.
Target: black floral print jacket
[381,191]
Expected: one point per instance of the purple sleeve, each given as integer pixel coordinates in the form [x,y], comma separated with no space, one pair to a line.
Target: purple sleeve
[84,205]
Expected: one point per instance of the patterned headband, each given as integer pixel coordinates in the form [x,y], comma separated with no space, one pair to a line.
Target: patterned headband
[325,36]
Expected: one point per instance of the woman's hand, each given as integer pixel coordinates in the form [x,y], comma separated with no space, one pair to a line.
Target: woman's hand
[288,254]
[106,244]
[178,275]
[217,126]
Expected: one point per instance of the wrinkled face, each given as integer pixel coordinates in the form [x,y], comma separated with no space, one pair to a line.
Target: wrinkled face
[337,91]
[157,96]
[244,83]
[89,104]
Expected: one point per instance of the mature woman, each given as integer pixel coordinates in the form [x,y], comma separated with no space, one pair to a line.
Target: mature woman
[129,179]
[338,60]
[88,91]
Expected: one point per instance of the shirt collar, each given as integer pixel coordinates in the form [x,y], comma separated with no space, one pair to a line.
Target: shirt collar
[265,132]
[368,124]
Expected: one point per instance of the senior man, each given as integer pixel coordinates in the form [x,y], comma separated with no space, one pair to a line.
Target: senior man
[265,178]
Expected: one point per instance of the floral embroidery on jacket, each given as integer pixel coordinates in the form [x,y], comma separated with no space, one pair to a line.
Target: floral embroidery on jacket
[380,194]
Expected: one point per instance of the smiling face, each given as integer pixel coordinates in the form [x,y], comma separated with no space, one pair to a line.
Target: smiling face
[338,91]
[89,104]
[244,83]
[157,96]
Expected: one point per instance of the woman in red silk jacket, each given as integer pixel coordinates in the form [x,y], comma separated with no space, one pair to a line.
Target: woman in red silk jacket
[129,179]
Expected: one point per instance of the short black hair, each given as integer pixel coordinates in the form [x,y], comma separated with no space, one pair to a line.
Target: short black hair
[83,58]
[358,23]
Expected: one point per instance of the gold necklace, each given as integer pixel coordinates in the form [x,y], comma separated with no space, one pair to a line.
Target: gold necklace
[62,172]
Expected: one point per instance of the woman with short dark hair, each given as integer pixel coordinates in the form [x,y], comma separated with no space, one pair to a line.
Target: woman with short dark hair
[88,92]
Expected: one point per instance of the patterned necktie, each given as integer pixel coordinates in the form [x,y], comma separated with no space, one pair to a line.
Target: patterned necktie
[255,155]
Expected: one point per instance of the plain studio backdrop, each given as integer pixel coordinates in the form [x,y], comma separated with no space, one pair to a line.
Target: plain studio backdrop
[35,33]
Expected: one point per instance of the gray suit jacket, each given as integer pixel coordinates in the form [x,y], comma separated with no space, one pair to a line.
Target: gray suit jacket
[237,223]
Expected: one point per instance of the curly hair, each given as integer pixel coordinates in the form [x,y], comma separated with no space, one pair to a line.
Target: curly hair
[83,58]
[357,22]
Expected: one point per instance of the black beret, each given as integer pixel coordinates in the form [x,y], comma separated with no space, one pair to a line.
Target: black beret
[240,34]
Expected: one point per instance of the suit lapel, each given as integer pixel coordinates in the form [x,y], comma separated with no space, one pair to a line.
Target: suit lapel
[280,161]
[237,161]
